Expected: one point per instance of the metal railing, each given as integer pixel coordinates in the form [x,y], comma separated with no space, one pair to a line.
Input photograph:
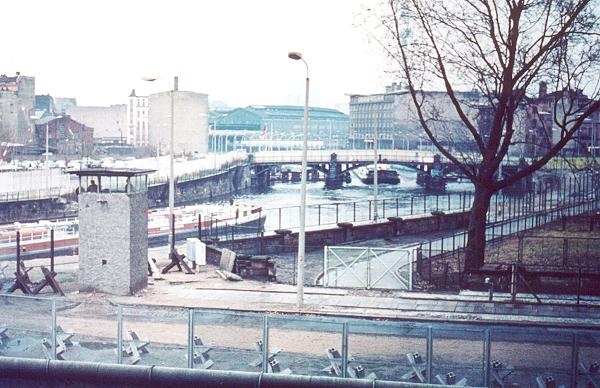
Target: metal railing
[363,211]
[29,195]
[175,337]
[186,177]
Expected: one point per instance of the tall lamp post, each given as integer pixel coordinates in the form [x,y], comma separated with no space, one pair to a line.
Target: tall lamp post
[375,167]
[302,232]
[171,162]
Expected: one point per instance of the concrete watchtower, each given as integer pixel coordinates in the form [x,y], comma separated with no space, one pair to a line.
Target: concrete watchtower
[113,230]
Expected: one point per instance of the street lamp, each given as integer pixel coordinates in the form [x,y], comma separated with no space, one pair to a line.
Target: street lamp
[375,167]
[302,233]
[171,163]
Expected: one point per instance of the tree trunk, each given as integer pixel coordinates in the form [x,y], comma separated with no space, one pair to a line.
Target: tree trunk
[475,249]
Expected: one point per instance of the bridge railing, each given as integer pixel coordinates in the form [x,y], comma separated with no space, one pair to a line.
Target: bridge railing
[323,156]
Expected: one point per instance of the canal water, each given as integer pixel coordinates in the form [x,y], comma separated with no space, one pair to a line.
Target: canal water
[353,202]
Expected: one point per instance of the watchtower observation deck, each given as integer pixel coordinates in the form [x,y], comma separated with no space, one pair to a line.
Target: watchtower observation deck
[113,229]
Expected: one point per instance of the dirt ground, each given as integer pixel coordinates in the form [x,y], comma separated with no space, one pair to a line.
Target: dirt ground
[546,246]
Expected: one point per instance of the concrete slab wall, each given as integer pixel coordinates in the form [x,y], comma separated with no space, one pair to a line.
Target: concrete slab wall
[113,242]
[272,243]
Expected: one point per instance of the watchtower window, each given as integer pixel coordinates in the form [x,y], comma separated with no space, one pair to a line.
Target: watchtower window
[127,181]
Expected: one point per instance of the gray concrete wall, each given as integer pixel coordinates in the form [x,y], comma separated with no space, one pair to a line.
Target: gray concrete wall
[138,252]
[273,243]
[112,242]
[34,210]
[22,372]
[190,123]
[107,121]
[15,109]
[220,185]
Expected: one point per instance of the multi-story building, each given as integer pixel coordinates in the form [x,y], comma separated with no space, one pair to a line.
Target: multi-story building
[190,121]
[279,123]
[543,132]
[65,136]
[109,122]
[17,103]
[44,104]
[137,120]
[392,116]
[61,104]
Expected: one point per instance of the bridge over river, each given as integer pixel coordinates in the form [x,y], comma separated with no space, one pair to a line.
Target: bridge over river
[408,157]
[336,163]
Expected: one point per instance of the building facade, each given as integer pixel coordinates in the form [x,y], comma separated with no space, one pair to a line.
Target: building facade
[109,122]
[286,122]
[543,132]
[278,124]
[392,117]
[17,103]
[61,104]
[137,120]
[190,122]
[65,136]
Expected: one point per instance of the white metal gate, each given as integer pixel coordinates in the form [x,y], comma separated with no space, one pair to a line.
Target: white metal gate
[368,268]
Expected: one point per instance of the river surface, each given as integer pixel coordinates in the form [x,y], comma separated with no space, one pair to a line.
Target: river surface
[354,201]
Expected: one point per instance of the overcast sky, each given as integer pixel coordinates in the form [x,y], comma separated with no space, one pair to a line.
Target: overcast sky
[235,51]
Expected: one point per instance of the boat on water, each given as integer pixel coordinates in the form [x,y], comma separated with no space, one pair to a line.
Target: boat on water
[385,174]
[432,181]
[35,237]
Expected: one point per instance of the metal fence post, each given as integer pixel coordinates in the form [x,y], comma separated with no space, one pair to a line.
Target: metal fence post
[429,354]
[190,344]
[53,329]
[319,214]
[119,334]
[369,255]
[279,225]
[487,352]
[574,359]
[265,341]
[513,283]
[345,349]
[325,266]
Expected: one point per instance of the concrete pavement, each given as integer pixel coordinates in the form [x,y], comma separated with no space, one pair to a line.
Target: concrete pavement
[208,290]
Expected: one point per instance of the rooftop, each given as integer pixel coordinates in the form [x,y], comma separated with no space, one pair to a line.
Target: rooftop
[128,172]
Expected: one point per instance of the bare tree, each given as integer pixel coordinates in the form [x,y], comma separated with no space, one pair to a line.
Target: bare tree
[499,50]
